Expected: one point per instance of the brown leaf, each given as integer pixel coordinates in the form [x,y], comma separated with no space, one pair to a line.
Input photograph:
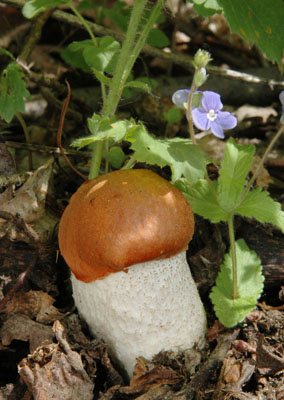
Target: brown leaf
[20,327]
[37,305]
[56,372]
[145,376]
[264,179]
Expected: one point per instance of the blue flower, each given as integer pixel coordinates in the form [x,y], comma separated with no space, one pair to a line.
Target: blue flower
[180,98]
[281,97]
[208,115]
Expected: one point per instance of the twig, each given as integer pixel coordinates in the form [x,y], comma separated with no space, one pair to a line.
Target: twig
[178,59]
[55,151]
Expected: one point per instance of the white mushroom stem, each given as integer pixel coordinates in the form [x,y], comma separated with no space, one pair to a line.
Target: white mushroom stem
[154,306]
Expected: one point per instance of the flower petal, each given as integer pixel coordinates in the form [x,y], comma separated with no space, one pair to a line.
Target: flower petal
[211,101]
[199,116]
[281,97]
[217,130]
[226,120]
[180,97]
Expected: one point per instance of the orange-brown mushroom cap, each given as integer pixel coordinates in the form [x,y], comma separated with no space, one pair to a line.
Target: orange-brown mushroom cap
[123,218]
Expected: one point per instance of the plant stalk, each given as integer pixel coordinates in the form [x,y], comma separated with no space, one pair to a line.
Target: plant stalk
[84,23]
[190,120]
[131,49]
[234,256]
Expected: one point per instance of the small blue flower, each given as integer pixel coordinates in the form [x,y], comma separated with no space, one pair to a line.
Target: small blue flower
[180,98]
[208,115]
[281,97]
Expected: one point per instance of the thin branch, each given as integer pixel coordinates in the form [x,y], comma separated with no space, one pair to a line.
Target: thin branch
[179,59]
[55,151]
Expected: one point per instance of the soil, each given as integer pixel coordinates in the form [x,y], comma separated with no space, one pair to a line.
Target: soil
[46,351]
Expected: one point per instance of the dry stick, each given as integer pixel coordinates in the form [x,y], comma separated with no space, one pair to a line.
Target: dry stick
[34,241]
[60,128]
[55,151]
[178,59]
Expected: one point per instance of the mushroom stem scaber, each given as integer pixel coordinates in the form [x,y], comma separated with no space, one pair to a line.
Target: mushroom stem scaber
[124,237]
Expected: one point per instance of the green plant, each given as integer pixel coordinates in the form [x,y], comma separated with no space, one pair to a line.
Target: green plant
[240,281]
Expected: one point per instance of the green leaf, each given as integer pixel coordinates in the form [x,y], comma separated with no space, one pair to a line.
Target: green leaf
[87,56]
[250,285]
[33,7]
[140,86]
[12,92]
[73,55]
[87,4]
[143,84]
[119,14]
[207,7]
[202,200]
[104,56]
[259,22]
[235,166]
[257,204]
[173,115]
[103,128]
[158,38]
[115,157]
[184,158]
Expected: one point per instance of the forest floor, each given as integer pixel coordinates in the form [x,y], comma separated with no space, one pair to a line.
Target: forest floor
[46,351]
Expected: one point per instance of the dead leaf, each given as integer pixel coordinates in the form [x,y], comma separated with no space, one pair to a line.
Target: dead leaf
[146,375]
[20,327]
[37,305]
[263,179]
[28,202]
[56,372]
[249,112]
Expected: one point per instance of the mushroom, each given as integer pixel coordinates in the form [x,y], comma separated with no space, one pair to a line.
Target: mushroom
[124,236]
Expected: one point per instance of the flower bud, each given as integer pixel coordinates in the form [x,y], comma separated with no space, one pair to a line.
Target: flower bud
[200,77]
[201,59]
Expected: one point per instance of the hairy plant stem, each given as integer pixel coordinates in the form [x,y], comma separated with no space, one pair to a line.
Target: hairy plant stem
[234,256]
[131,49]
[190,120]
